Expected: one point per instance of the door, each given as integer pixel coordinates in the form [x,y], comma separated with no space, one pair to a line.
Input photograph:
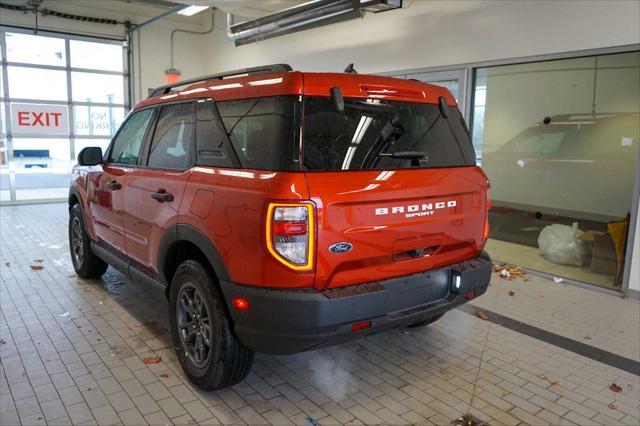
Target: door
[154,191]
[454,80]
[106,186]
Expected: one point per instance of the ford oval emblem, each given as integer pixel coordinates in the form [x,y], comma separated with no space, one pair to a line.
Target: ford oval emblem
[341,247]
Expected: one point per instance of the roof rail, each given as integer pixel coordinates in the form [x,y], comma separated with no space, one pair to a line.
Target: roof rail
[163,90]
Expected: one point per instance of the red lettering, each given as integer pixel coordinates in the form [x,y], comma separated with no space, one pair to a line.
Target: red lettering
[37,118]
[56,117]
[23,118]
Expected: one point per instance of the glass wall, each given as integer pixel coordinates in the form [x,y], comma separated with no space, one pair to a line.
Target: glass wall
[58,94]
[559,140]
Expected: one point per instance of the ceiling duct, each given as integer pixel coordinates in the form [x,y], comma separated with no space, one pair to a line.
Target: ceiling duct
[304,16]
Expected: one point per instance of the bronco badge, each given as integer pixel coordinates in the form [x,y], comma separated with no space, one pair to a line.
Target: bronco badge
[341,247]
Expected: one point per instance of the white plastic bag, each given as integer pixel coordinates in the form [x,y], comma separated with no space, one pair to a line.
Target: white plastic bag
[560,244]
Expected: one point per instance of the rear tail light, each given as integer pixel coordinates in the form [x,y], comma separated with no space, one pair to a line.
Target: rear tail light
[290,234]
[486,221]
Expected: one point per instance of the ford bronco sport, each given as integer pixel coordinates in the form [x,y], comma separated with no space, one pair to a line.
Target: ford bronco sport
[283,211]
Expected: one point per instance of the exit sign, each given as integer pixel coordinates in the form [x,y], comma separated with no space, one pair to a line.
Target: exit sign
[30,119]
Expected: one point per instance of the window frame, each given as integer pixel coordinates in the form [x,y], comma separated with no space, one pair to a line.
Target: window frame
[152,120]
[296,149]
[143,160]
[234,161]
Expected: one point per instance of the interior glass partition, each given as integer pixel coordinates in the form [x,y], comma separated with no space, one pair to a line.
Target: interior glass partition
[559,140]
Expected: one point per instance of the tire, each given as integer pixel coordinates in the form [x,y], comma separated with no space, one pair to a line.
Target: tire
[426,321]
[85,262]
[194,295]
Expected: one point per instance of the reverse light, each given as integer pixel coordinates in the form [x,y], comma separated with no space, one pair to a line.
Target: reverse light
[456,282]
[241,304]
[290,234]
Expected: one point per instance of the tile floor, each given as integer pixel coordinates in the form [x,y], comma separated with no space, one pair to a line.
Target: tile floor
[72,350]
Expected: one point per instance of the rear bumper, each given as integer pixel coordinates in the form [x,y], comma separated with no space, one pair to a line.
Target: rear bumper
[289,321]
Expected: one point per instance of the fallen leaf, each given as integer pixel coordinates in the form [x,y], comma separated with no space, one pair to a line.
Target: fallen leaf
[468,420]
[482,315]
[511,293]
[614,387]
[613,406]
[509,272]
[164,375]
[152,360]
[37,267]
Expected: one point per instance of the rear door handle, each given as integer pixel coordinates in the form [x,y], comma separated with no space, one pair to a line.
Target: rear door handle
[162,196]
[114,185]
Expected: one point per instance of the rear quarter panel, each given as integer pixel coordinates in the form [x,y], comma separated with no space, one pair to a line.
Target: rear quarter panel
[229,207]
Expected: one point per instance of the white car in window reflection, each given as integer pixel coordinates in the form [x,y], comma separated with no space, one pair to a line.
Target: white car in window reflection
[583,166]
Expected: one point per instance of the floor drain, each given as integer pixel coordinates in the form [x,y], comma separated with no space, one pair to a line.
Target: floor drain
[469,420]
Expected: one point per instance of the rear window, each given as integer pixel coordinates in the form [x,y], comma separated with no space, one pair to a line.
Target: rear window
[377,134]
[263,131]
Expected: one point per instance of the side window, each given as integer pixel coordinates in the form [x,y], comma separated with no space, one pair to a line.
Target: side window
[171,143]
[262,131]
[126,146]
[212,142]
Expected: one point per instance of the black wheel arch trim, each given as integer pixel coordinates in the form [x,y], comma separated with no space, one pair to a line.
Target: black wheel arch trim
[73,192]
[191,234]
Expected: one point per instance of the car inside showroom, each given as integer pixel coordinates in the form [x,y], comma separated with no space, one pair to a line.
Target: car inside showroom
[319,212]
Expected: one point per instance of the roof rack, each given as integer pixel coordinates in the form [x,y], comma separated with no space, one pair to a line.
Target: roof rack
[163,90]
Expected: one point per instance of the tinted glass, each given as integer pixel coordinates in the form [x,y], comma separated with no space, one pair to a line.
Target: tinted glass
[369,133]
[262,131]
[126,147]
[171,143]
[212,141]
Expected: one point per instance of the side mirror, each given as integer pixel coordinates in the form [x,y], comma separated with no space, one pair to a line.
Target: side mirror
[90,156]
[444,107]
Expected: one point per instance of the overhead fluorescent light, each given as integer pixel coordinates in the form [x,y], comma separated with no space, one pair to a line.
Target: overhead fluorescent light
[192,10]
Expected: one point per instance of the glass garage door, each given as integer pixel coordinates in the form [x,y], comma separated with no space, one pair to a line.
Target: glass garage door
[58,94]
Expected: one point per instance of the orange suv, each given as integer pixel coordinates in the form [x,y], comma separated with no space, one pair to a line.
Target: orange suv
[282,211]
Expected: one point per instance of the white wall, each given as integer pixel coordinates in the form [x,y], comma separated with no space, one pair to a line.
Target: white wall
[438,33]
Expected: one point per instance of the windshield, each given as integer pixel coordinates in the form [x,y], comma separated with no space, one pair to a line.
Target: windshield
[378,134]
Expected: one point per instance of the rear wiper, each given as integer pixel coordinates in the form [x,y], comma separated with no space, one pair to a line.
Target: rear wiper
[404,155]
[415,156]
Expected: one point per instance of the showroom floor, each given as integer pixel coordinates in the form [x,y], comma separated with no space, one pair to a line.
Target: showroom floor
[72,352]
